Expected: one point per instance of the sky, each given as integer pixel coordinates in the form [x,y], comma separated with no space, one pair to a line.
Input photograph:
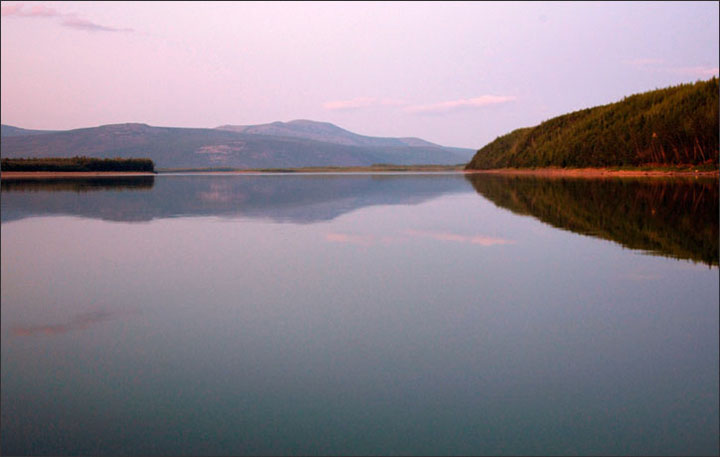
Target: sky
[454,73]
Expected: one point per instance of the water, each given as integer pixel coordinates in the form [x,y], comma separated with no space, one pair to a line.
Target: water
[359,314]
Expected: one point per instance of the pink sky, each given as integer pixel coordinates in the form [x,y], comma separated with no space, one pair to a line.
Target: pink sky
[458,74]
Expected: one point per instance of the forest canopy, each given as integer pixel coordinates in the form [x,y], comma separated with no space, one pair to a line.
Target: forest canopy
[77,164]
[673,126]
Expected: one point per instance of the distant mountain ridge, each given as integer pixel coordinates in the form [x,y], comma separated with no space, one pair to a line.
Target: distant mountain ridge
[9,130]
[326,132]
[282,144]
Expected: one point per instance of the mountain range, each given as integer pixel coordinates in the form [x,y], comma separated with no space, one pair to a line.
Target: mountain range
[299,143]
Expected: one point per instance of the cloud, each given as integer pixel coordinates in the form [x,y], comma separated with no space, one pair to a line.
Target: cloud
[35,11]
[361,102]
[699,71]
[644,61]
[441,107]
[84,24]
[480,240]
[68,19]
[42,11]
[455,105]
[10,10]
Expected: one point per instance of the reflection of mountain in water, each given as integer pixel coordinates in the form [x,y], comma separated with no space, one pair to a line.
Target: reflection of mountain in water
[287,198]
[675,218]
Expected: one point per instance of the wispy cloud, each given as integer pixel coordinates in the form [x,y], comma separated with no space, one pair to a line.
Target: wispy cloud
[653,64]
[35,11]
[361,102]
[432,108]
[480,240]
[10,10]
[84,24]
[699,71]
[644,61]
[69,20]
[42,11]
[455,105]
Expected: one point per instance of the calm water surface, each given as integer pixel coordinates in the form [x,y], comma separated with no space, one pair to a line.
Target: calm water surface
[359,314]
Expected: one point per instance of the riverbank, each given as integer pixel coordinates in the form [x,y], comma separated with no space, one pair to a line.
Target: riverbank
[324,169]
[550,172]
[70,174]
[541,172]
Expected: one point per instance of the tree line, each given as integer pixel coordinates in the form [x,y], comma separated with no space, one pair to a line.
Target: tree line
[79,163]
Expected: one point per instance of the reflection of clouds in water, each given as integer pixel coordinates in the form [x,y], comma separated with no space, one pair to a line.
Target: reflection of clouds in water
[362,240]
[639,276]
[368,240]
[216,196]
[472,239]
[79,322]
[221,193]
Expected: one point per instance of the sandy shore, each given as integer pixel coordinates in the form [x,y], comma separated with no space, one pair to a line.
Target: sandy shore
[596,172]
[70,174]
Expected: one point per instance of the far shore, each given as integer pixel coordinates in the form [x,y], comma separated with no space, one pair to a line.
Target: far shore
[71,174]
[551,172]
[548,172]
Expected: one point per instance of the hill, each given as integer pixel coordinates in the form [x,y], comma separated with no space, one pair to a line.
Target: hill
[170,147]
[325,132]
[9,130]
[675,125]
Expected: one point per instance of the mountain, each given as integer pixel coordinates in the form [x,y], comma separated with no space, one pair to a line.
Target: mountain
[675,125]
[312,144]
[325,132]
[9,130]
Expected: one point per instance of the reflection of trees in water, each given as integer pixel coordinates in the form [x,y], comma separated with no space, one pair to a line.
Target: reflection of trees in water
[675,218]
[78,184]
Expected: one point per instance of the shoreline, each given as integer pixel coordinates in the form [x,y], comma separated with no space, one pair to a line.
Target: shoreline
[71,174]
[540,172]
[320,169]
[597,173]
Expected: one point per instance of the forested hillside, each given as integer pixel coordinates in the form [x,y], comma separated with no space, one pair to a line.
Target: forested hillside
[676,125]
